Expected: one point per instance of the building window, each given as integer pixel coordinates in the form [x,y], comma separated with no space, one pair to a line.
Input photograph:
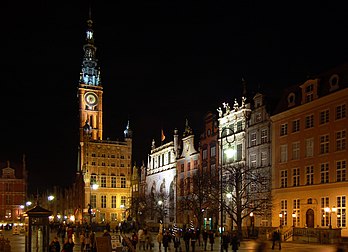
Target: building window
[309,123]
[264,136]
[296,211]
[341,112]
[309,147]
[264,159]
[103,181]
[295,150]
[93,201]
[295,126]
[113,201]
[296,177]
[113,182]
[324,173]
[103,201]
[341,170]
[341,212]
[324,144]
[204,154]
[182,167]
[93,179]
[253,160]
[123,201]
[283,153]
[324,116]
[324,202]
[8,200]
[239,152]
[340,140]
[239,126]
[309,93]
[284,212]
[189,165]
[253,139]
[123,182]
[283,129]
[213,151]
[182,187]
[283,178]
[113,216]
[212,169]
[309,175]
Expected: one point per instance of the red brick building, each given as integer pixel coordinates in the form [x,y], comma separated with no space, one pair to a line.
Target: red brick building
[13,190]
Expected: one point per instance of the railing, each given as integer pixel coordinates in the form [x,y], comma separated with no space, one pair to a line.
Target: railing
[287,234]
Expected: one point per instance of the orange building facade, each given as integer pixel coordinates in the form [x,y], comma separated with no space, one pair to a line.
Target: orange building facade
[309,154]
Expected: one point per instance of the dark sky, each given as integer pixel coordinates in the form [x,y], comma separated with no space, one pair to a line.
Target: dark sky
[161,62]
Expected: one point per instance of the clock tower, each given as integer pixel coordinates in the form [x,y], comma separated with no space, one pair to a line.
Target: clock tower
[90,91]
[103,181]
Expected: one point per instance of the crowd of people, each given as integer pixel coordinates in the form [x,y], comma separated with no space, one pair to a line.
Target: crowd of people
[181,239]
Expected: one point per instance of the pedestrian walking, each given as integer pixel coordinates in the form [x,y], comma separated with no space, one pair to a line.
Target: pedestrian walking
[187,237]
[82,241]
[226,240]
[166,240]
[177,242]
[160,240]
[205,239]
[211,236]
[276,238]
[54,245]
[193,240]
[235,242]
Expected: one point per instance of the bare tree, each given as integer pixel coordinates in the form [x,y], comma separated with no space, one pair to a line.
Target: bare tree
[194,195]
[249,189]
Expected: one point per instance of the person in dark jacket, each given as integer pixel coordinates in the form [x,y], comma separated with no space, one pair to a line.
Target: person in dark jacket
[166,240]
[234,242]
[276,238]
[226,240]
[205,239]
[211,236]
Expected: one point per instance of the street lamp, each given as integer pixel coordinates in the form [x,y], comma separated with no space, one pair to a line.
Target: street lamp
[329,210]
[94,186]
[161,204]
[280,220]
[252,223]
[230,138]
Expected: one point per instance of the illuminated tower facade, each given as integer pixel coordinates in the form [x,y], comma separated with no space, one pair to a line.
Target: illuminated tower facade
[104,166]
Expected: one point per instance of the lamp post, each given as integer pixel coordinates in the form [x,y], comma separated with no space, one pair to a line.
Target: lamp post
[252,223]
[329,211]
[229,138]
[280,220]
[161,204]
[94,186]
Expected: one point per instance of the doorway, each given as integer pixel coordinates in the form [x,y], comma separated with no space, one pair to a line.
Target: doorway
[310,218]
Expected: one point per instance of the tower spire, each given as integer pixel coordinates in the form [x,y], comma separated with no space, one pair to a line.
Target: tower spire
[90,73]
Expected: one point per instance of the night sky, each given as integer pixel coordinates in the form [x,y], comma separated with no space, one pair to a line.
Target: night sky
[162,62]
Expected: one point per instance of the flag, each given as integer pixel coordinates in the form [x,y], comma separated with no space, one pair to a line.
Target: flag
[162,136]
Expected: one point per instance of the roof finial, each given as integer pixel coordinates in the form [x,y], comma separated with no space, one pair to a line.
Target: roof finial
[90,12]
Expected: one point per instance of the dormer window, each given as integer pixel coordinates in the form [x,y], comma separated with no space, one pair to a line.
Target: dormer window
[309,93]
[291,99]
[333,81]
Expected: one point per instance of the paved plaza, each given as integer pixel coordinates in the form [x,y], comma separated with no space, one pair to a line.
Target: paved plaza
[18,245]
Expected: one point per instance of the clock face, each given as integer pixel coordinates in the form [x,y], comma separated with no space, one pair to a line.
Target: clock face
[91,99]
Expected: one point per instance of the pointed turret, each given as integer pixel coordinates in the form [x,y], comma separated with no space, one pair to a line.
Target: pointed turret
[127,132]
